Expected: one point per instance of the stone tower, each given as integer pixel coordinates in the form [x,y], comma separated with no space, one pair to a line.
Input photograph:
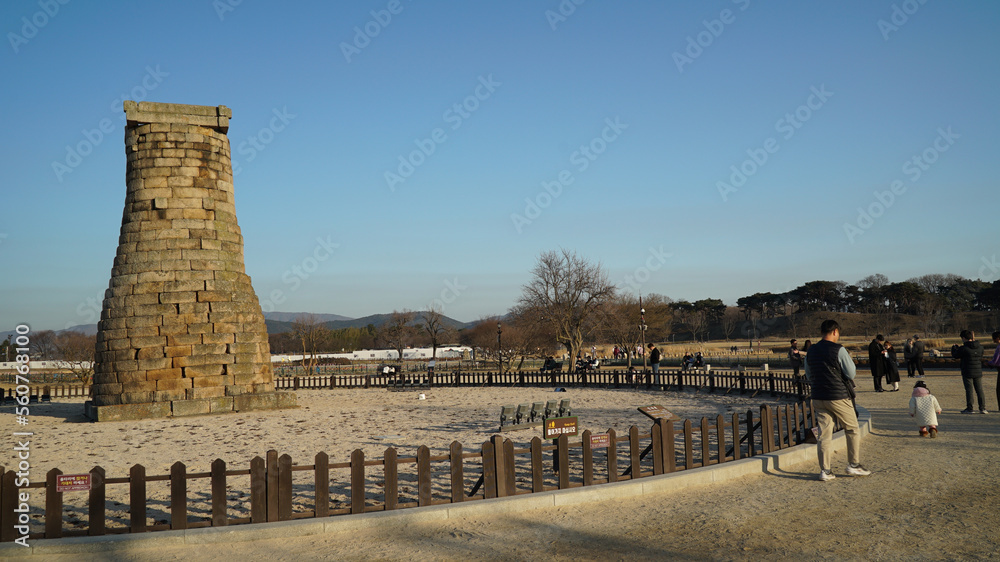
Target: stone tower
[181,331]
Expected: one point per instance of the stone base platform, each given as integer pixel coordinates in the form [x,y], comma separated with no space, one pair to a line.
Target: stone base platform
[179,408]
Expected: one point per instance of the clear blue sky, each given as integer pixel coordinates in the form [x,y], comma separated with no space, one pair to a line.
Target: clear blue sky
[667,99]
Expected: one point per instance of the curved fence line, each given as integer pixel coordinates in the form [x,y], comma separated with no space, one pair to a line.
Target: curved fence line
[277,489]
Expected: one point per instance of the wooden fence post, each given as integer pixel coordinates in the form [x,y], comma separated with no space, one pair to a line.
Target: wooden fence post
[500,466]
[8,503]
[358,481]
[53,505]
[96,507]
[219,517]
[588,460]
[391,472]
[688,446]
[489,471]
[656,436]
[321,472]
[258,490]
[508,458]
[562,451]
[284,487]
[736,436]
[457,472]
[706,446]
[423,476]
[751,450]
[178,496]
[272,485]
[612,456]
[537,477]
[634,451]
[720,442]
[137,498]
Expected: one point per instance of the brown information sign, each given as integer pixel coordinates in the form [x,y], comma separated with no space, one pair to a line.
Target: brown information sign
[72,482]
[656,412]
[600,441]
[554,427]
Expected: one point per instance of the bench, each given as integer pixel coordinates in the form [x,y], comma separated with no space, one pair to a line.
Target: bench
[564,408]
[523,411]
[506,414]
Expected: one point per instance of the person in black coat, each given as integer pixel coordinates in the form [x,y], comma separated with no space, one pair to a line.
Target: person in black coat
[876,361]
[970,354]
[891,367]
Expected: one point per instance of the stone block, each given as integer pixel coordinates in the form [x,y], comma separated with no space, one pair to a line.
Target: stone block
[201,328]
[138,386]
[218,338]
[137,397]
[154,364]
[173,329]
[197,360]
[193,308]
[243,348]
[209,296]
[149,341]
[185,339]
[110,388]
[205,392]
[248,378]
[249,402]
[199,371]
[181,408]
[178,297]
[173,384]
[169,395]
[161,374]
[202,382]
[129,412]
[177,350]
[221,404]
[226,328]
[237,389]
[149,353]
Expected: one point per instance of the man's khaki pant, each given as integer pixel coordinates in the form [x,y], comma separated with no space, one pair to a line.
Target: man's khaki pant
[827,412]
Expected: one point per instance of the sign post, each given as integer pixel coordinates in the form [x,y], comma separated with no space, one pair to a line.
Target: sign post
[554,427]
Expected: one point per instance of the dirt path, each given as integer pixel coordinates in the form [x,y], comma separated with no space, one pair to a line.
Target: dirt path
[929,499]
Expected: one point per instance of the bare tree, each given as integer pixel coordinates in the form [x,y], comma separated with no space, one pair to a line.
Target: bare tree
[311,334]
[78,351]
[398,331]
[434,329]
[620,321]
[730,319]
[566,290]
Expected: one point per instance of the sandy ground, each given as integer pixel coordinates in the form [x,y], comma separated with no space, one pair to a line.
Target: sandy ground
[933,499]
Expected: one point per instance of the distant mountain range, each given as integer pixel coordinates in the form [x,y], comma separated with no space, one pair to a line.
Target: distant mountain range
[275,326]
[280,322]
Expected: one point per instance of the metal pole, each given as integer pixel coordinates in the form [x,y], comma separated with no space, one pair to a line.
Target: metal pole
[499,350]
[642,332]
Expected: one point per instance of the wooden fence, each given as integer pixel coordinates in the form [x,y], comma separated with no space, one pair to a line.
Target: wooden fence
[276,489]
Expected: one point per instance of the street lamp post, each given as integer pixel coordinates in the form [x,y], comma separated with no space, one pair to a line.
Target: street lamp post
[642,333]
[499,350]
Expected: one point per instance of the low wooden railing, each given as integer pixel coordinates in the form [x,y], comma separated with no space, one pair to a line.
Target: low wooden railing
[276,489]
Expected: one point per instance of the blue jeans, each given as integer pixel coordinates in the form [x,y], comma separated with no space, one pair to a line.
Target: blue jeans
[656,373]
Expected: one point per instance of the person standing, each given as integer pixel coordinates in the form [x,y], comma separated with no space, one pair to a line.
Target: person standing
[970,353]
[908,357]
[918,356]
[831,372]
[654,360]
[891,367]
[995,362]
[795,358]
[876,361]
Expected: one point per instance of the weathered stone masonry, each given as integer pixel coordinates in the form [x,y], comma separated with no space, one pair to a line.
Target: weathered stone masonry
[181,330]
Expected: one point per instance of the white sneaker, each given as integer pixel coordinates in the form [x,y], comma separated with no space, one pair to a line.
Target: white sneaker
[983,412]
[826,476]
[857,470]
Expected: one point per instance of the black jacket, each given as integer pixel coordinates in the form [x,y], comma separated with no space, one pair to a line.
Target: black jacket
[971,356]
[654,356]
[876,361]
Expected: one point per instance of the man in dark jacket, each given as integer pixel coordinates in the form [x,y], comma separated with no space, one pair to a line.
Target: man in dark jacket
[654,361]
[876,361]
[831,372]
[918,356]
[970,353]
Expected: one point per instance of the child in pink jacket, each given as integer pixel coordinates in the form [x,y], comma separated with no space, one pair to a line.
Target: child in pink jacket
[924,406]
